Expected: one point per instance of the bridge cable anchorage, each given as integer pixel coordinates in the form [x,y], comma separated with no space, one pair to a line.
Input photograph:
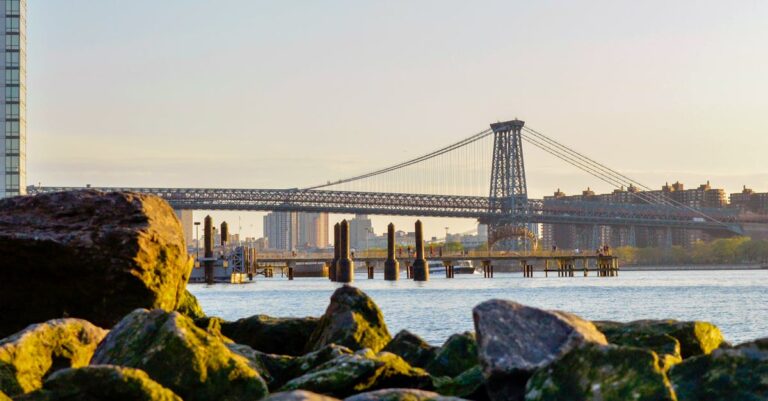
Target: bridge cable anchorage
[598,170]
[398,166]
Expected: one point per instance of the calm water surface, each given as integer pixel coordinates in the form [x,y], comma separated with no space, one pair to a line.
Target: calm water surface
[737,301]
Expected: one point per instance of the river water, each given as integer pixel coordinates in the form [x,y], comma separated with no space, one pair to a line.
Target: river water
[735,300]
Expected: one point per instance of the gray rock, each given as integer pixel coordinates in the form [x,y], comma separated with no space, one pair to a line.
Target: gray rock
[514,340]
[401,394]
[93,255]
[299,395]
[724,375]
[273,335]
[458,354]
[353,320]
[177,354]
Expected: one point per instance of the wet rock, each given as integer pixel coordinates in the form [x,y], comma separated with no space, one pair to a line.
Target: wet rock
[664,345]
[361,371]
[458,354]
[724,374]
[401,394]
[28,356]
[189,307]
[283,336]
[299,395]
[97,383]
[594,372]
[177,354]
[412,349]
[515,340]
[696,338]
[4,397]
[353,320]
[761,344]
[95,256]
[469,384]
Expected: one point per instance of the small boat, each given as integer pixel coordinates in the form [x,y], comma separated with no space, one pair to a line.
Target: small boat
[459,267]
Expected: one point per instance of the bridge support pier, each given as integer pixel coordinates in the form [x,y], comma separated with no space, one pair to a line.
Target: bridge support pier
[346,267]
[369,267]
[290,271]
[448,268]
[420,269]
[336,252]
[208,254]
[487,269]
[391,265]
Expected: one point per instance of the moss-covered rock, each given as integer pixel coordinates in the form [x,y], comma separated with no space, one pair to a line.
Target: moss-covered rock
[189,307]
[177,354]
[90,255]
[278,369]
[361,371]
[4,397]
[282,336]
[469,384]
[412,348]
[515,340]
[28,356]
[457,354]
[664,345]
[601,372]
[695,337]
[299,395]
[101,383]
[353,320]
[761,344]
[725,374]
[401,394]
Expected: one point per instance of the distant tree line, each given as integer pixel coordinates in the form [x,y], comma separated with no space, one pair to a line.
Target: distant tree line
[738,250]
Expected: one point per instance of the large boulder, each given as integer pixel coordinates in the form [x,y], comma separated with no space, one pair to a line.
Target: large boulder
[27,357]
[458,354]
[412,348]
[353,320]
[93,255]
[664,345]
[101,383]
[401,394]
[298,395]
[4,397]
[725,374]
[696,338]
[174,352]
[593,372]
[514,340]
[282,336]
[361,371]
[469,384]
[189,307]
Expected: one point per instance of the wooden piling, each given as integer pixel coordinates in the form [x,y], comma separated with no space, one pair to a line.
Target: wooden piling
[346,269]
[391,265]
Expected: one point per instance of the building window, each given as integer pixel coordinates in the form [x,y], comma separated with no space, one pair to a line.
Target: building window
[12,164]
[12,41]
[12,145]
[11,182]
[12,24]
[12,7]
[11,93]
[11,77]
[12,128]
[12,59]
[11,110]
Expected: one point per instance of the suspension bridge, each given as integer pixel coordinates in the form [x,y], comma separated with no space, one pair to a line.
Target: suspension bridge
[481,177]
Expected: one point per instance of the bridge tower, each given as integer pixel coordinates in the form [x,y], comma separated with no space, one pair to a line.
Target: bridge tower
[509,192]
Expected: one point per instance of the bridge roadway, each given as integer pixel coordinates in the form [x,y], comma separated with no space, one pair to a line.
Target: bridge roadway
[726,222]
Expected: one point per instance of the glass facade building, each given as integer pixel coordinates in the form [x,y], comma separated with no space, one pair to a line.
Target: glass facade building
[13,145]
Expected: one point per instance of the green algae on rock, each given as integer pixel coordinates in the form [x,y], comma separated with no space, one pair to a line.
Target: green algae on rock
[261,331]
[594,372]
[101,383]
[725,374]
[469,384]
[33,353]
[695,337]
[102,255]
[177,354]
[353,320]
[4,397]
[361,371]
[189,307]
[664,345]
[412,348]
[457,354]
[401,394]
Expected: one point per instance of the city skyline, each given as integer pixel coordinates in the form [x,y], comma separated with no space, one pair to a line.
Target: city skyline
[669,86]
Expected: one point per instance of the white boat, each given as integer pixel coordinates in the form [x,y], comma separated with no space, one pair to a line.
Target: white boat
[459,267]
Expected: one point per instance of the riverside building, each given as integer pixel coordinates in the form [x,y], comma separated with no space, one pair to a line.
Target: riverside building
[13,144]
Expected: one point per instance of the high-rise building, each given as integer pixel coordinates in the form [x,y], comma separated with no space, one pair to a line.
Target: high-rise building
[281,230]
[360,228]
[313,230]
[14,143]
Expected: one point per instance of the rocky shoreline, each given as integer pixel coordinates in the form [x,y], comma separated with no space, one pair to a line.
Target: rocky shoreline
[110,319]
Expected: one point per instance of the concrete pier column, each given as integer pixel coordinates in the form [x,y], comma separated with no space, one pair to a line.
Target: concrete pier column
[391,265]
[420,269]
[346,267]
[369,266]
[208,245]
[290,270]
[224,233]
[333,268]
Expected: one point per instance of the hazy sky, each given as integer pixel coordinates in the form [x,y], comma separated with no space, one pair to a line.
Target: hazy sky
[260,94]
